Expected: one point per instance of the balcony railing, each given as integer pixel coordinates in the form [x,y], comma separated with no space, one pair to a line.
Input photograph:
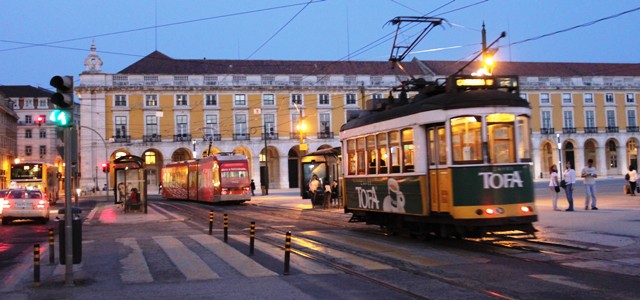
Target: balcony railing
[591,130]
[241,136]
[212,137]
[325,135]
[269,136]
[546,130]
[121,139]
[152,138]
[632,129]
[612,128]
[185,137]
[568,130]
[294,135]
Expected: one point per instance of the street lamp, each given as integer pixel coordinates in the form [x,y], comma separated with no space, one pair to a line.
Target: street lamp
[559,144]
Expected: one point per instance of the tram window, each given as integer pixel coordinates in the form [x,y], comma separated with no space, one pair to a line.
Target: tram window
[407,150]
[432,146]
[442,146]
[524,138]
[362,162]
[394,147]
[351,152]
[382,151]
[373,154]
[466,139]
[501,138]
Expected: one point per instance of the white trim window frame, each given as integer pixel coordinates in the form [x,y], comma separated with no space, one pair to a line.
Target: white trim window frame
[545,99]
[120,100]
[151,100]
[590,118]
[211,100]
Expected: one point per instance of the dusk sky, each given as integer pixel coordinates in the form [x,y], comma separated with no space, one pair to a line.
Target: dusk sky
[40,39]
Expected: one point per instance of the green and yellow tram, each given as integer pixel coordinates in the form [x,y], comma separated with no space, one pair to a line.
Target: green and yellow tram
[453,160]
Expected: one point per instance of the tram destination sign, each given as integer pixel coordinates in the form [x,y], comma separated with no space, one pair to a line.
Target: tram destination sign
[467,82]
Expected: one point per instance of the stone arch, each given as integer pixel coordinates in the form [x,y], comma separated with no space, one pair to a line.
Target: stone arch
[181,154]
[293,166]
[242,150]
[591,152]
[547,156]
[569,155]
[270,167]
[210,151]
[632,152]
[153,162]
[611,154]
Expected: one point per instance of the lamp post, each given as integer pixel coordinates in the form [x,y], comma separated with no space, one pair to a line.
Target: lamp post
[106,158]
[559,144]
[266,160]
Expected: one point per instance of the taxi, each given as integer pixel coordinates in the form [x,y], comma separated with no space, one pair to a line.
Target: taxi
[25,204]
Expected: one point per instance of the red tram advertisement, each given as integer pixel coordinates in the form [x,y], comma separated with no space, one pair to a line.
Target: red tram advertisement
[222,178]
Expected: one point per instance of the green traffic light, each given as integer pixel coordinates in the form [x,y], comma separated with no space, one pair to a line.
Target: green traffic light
[61,118]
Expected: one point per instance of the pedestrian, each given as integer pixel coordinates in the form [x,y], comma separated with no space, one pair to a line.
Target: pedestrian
[633,179]
[327,193]
[160,188]
[570,179]
[314,183]
[253,188]
[554,186]
[334,193]
[589,175]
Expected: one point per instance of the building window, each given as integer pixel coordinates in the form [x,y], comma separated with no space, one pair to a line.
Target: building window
[350,80]
[323,99]
[270,125]
[590,119]
[325,123]
[377,96]
[544,98]
[240,124]
[182,100]
[120,100]
[182,124]
[588,98]
[151,125]
[180,79]
[151,100]
[211,100]
[43,103]
[546,119]
[240,100]
[210,79]
[268,79]
[211,123]
[376,80]
[27,134]
[568,118]
[43,150]
[631,98]
[239,79]
[296,99]
[611,118]
[28,103]
[608,98]
[566,98]
[27,150]
[121,126]
[631,118]
[28,119]
[268,99]
[43,133]
[350,99]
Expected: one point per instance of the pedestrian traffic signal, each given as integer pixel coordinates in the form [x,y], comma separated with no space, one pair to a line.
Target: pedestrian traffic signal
[105,167]
[63,99]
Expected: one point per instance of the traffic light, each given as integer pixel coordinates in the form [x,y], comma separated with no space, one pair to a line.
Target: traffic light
[105,167]
[63,99]
[39,120]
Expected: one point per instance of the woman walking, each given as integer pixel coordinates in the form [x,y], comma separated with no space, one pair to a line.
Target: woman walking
[554,186]
[633,178]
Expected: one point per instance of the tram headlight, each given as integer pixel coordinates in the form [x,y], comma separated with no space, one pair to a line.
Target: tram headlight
[490,211]
[526,209]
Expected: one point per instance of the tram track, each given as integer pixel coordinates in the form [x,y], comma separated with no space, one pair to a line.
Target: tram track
[200,216]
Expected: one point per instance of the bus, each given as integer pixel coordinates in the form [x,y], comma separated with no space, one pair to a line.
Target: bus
[220,178]
[36,175]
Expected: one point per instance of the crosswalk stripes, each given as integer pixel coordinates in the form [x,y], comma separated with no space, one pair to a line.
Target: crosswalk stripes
[134,268]
[191,266]
[344,256]
[233,257]
[304,265]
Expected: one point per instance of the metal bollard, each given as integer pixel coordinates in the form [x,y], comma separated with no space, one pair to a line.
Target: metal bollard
[226,227]
[210,221]
[252,236]
[36,265]
[287,252]
[52,253]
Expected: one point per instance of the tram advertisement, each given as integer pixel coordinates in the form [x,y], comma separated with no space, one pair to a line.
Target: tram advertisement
[492,185]
[390,194]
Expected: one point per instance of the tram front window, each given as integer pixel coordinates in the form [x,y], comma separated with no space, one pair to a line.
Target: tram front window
[524,139]
[466,139]
[501,138]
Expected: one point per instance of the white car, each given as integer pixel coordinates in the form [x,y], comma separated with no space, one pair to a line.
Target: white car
[25,204]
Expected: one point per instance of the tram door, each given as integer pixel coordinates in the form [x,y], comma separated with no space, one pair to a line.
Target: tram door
[439,173]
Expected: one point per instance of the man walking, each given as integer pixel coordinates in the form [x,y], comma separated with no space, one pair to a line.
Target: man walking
[570,179]
[589,175]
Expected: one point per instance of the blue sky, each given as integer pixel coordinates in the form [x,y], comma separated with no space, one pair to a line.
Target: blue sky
[31,50]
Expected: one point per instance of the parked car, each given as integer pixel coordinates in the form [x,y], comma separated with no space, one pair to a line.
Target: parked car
[3,193]
[25,204]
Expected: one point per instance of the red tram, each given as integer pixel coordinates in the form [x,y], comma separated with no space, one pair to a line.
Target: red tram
[223,177]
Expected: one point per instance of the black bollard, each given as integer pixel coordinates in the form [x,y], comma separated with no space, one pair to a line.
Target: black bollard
[252,236]
[287,252]
[210,221]
[226,227]
[52,253]
[36,265]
